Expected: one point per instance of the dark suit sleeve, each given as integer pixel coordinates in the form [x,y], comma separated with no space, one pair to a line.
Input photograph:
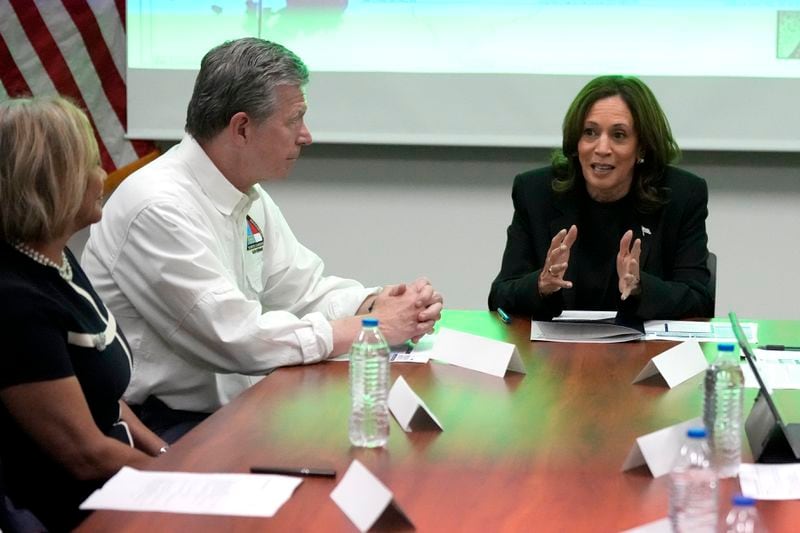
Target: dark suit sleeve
[516,287]
[682,291]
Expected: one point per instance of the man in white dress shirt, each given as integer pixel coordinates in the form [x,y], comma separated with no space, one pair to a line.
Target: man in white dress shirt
[199,266]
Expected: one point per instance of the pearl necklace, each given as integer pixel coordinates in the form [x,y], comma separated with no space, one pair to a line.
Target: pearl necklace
[65,270]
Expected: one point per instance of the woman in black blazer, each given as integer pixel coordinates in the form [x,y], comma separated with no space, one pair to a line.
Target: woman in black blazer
[610,225]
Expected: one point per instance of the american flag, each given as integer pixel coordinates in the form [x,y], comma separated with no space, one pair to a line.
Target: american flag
[75,48]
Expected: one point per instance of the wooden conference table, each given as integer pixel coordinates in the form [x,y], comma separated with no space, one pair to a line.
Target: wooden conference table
[535,452]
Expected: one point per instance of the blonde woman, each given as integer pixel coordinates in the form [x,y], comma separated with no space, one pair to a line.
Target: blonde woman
[64,363]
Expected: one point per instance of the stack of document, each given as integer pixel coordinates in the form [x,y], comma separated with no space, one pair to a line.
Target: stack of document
[193,493]
[606,326]
[587,326]
[680,330]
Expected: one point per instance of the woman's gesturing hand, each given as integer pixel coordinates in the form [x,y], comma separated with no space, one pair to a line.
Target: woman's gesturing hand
[551,278]
[628,265]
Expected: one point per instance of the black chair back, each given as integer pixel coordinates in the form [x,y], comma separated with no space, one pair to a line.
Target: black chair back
[711,263]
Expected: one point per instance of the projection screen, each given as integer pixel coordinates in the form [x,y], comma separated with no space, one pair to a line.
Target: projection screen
[487,73]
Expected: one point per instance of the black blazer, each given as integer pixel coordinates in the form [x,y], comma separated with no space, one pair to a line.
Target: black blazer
[674,275]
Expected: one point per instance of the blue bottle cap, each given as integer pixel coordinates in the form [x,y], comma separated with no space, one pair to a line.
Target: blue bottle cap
[696,433]
[725,347]
[743,501]
[369,322]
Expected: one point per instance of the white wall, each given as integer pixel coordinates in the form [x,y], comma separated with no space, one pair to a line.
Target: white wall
[384,214]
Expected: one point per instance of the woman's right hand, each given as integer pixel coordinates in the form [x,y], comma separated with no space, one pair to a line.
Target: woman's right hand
[551,278]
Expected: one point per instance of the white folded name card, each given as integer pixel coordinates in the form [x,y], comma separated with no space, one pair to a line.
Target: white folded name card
[476,353]
[365,500]
[409,410]
[675,365]
[659,449]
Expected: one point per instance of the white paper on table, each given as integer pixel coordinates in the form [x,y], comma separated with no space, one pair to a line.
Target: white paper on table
[677,326]
[586,326]
[723,332]
[408,408]
[476,353]
[779,370]
[675,365]
[770,481]
[578,332]
[659,449]
[659,526]
[193,493]
[778,356]
[680,330]
[574,314]
[420,353]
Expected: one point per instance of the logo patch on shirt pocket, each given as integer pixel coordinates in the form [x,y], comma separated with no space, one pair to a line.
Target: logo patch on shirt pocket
[255,239]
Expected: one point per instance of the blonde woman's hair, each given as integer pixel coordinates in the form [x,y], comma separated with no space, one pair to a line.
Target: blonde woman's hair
[47,152]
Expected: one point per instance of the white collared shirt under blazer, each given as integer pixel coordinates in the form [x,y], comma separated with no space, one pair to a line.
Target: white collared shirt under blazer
[210,285]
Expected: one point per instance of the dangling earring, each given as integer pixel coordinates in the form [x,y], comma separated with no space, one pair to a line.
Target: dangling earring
[640,160]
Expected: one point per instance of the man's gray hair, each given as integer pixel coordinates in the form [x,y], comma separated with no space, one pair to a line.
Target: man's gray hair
[240,76]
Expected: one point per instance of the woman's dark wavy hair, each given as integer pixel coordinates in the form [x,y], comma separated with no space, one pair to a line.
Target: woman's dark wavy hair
[656,144]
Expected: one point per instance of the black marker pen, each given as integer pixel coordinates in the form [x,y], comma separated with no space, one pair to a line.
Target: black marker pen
[292,471]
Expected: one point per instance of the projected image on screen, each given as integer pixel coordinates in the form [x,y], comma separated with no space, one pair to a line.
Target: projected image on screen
[789,34]
[648,37]
[487,72]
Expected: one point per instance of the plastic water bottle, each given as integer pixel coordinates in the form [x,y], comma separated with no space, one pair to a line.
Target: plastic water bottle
[743,517]
[693,487]
[369,387]
[722,411]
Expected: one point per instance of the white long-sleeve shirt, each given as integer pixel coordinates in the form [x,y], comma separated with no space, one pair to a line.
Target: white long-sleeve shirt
[210,286]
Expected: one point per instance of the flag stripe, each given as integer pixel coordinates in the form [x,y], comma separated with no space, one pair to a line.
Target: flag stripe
[111,81]
[39,35]
[75,48]
[108,34]
[45,46]
[25,56]
[10,76]
[113,32]
[142,148]
[74,51]
[121,10]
